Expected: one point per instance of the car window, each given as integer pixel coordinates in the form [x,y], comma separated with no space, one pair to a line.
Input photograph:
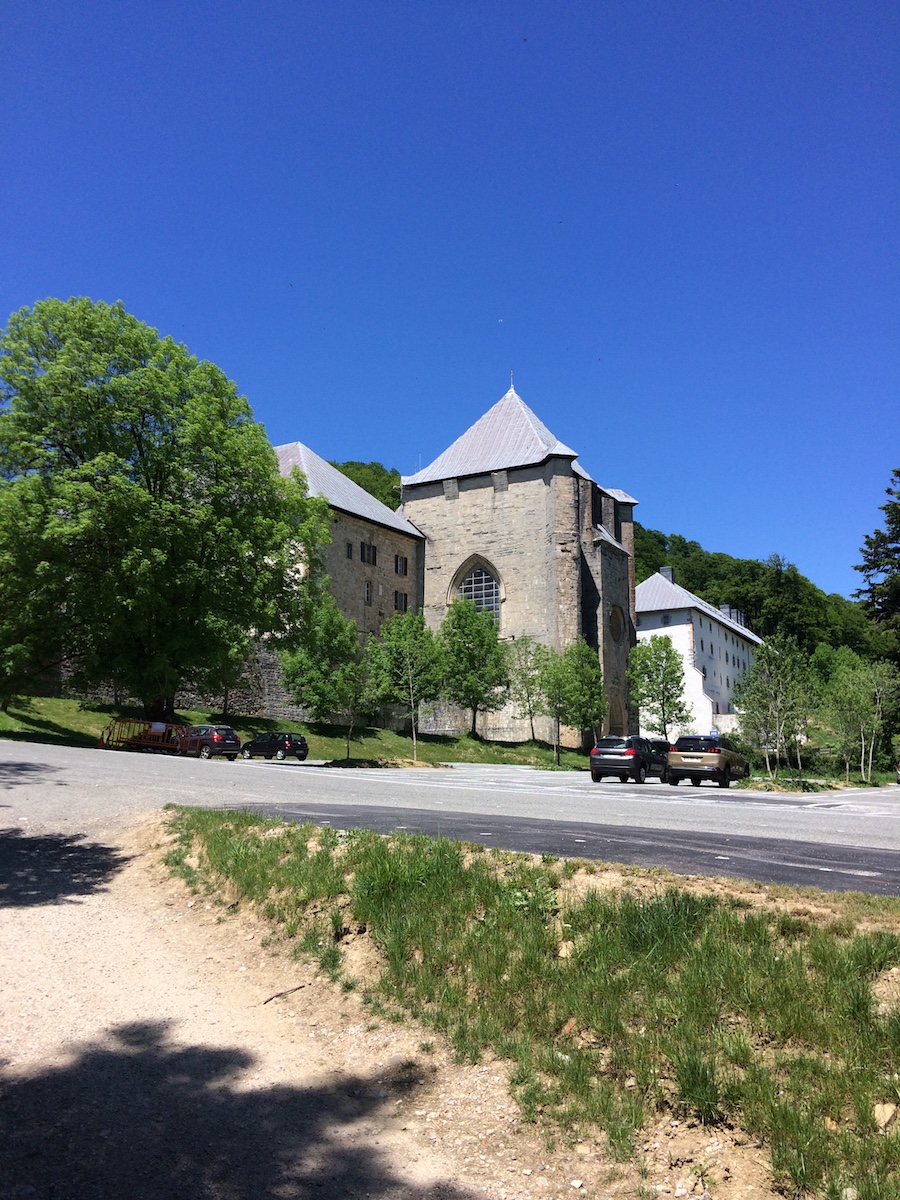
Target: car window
[696,743]
[611,743]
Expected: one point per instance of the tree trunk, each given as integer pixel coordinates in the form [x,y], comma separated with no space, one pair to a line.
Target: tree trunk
[473,731]
[160,709]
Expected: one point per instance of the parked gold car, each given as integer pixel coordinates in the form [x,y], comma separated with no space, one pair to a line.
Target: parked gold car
[696,758]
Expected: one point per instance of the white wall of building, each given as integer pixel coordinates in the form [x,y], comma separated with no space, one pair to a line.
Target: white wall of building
[715,655]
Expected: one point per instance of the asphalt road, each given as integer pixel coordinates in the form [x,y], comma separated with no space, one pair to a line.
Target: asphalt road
[836,840]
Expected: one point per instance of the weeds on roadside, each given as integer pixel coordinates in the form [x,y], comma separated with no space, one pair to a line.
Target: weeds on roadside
[677,1002]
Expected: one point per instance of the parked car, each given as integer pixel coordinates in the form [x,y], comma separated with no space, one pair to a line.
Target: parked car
[696,758]
[627,757]
[276,745]
[204,741]
[662,747]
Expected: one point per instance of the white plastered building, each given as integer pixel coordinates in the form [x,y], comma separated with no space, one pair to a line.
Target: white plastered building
[715,644]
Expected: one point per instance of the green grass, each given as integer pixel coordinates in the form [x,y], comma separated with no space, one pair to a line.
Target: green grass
[676,1002]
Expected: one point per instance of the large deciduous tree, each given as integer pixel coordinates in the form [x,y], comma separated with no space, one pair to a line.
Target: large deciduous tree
[656,676]
[156,535]
[476,662]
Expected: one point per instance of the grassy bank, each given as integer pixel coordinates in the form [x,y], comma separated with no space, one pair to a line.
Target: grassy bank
[75,723]
[611,1005]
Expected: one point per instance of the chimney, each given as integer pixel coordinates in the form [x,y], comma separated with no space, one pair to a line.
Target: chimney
[668,573]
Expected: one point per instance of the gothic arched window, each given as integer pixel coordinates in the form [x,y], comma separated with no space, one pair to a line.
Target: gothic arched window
[482,588]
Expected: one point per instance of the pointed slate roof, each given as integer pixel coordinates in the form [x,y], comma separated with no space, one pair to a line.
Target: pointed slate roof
[508,435]
[340,492]
[658,594]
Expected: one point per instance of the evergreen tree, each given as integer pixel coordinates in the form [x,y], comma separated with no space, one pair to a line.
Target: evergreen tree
[880,566]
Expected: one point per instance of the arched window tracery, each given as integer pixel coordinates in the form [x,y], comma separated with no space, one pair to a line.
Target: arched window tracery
[480,586]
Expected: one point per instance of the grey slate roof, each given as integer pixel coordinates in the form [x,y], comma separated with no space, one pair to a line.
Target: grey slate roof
[340,492]
[508,435]
[658,594]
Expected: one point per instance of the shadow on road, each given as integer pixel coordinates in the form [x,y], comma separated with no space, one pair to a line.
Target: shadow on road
[52,868]
[146,1118]
[15,774]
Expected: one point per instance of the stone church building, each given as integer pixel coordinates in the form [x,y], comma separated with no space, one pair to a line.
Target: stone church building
[507,517]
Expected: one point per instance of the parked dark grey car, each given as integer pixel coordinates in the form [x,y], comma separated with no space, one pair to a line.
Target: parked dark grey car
[626,758]
[276,745]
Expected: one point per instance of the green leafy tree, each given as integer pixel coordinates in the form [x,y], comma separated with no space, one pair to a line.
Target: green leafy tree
[572,691]
[32,593]
[526,657]
[476,662]
[656,676]
[161,534]
[857,700]
[880,566]
[406,665]
[554,680]
[585,702]
[775,700]
[379,481]
[328,673]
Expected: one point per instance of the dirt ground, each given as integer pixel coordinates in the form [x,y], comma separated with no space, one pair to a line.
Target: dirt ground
[152,1046]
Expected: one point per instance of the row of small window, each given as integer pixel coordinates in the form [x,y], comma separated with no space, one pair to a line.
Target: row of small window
[401,599]
[727,679]
[368,554]
[733,659]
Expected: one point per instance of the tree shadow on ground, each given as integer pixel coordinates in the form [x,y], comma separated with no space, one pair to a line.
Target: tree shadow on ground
[52,868]
[145,1118]
[15,774]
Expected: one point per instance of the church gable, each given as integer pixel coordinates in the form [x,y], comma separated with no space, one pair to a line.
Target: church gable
[508,435]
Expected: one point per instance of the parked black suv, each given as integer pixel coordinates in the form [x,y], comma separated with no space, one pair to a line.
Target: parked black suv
[207,740]
[276,745]
[627,757]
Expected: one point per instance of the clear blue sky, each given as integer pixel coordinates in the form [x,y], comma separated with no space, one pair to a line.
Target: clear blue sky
[676,222]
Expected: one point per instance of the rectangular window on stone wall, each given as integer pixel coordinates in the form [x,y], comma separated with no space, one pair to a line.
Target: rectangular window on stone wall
[401,564]
[368,593]
[401,602]
[349,549]
[367,553]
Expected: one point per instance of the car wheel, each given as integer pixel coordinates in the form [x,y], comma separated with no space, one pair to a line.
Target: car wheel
[279,754]
[623,778]
[231,757]
[664,775]
[204,752]
[596,778]
[695,783]
[640,775]
[674,780]
[267,757]
[725,781]
[246,754]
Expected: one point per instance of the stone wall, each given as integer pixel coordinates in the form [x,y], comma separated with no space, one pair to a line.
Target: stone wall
[349,572]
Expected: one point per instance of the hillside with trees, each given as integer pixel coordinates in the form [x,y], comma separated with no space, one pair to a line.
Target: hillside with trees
[773,595]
